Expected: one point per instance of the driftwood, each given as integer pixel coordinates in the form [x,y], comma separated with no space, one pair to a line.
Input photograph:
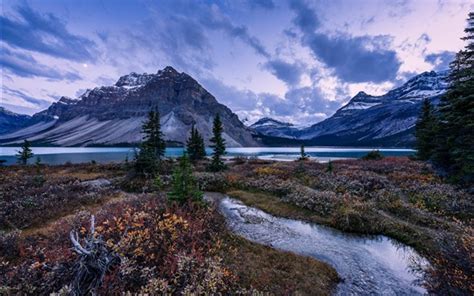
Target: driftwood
[93,262]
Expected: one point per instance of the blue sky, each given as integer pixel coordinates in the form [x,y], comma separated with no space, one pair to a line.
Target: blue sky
[293,60]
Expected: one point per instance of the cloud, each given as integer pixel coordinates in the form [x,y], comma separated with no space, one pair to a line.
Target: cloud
[214,19]
[305,18]
[29,100]
[184,41]
[440,60]
[312,100]
[290,73]
[234,98]
[45,33]
[302,106]
[353,59]
[266,4]
[25,65]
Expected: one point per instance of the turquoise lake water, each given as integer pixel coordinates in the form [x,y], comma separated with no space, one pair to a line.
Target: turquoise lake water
[61,155]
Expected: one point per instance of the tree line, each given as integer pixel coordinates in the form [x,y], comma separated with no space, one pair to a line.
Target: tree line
[445,133]
[152,151]
[153,145]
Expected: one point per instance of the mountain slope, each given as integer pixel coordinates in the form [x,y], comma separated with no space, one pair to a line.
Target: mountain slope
[271,127]
[111,115]
[386,120]
[10,121]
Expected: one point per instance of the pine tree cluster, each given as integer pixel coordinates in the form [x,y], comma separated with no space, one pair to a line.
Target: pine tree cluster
[446,135]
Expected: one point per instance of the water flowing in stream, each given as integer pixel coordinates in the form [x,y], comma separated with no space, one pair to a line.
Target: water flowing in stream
[375,265]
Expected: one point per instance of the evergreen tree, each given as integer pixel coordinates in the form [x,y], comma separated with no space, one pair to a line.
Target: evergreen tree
[218,145]
[152,149]
[455,135]
[195,146]
[184,186]
[25,153]
[330,167]
[303,155]
[39,178]
[425,131]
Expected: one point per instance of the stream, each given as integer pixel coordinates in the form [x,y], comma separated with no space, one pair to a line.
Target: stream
[368,265]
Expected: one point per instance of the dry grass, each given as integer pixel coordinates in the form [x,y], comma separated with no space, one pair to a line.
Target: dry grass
[278,272]
[275,206]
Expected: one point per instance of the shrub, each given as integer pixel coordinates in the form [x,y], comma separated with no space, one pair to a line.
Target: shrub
[268,170]
[212,181]
[373,155]
[240,160]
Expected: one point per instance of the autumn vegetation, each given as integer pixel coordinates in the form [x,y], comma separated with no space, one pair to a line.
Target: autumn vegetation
[394,196]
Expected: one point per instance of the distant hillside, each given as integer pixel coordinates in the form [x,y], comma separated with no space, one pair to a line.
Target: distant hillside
[10,121]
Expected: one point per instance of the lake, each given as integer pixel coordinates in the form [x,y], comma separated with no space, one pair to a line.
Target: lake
[61,155]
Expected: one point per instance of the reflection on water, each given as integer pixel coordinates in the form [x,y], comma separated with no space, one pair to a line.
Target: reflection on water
[59,155]
[374,265]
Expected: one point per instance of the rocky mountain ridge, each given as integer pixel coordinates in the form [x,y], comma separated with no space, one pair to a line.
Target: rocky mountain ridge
[111,115]
[366,120]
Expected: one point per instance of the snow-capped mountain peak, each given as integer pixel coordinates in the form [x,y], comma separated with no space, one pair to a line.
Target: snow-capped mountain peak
[267,121]
[133,80]
[386,120]
[114,114]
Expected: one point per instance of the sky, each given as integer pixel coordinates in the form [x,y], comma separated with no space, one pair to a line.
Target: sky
[293,60]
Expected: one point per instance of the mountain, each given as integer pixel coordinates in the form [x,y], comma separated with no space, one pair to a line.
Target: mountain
[112,115]
[271,127]
[367,120]
[10,121]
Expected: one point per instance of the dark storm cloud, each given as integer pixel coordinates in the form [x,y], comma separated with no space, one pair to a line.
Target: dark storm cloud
[25,65]
[440,60]
[286,72]
[45,33]
[353,59]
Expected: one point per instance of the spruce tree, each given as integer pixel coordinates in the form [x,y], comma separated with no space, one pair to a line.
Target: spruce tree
[455,135]
[195,146]
[425,131]
[184,186]
[218,145]
[303,155]
[152,149]
[25,153]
